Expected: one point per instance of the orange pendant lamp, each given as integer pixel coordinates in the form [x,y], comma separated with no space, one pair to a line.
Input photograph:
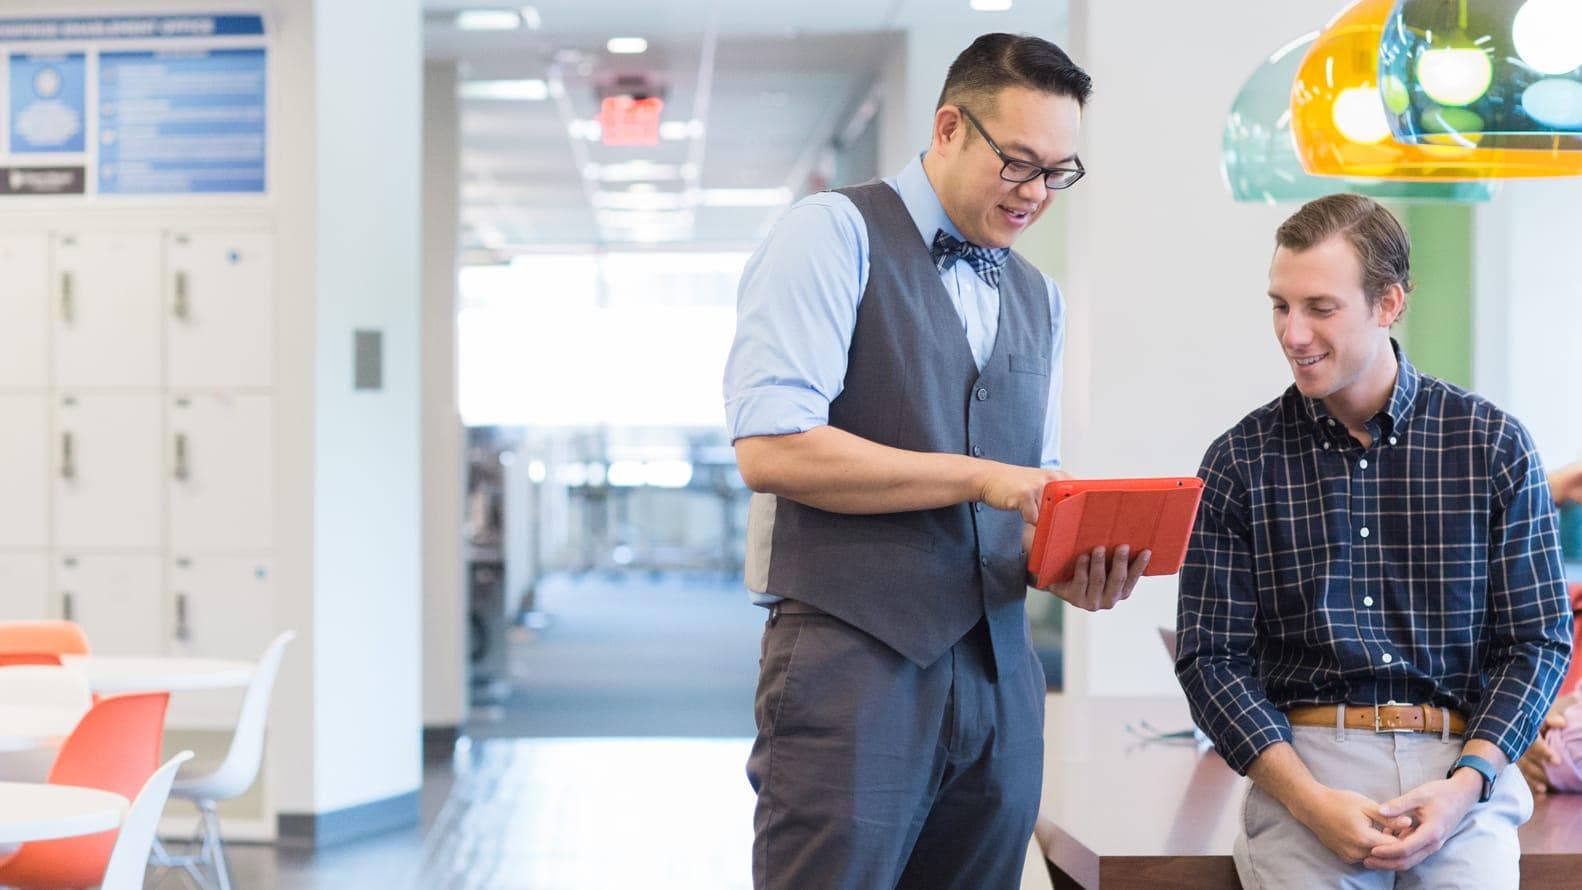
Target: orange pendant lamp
[1340,116]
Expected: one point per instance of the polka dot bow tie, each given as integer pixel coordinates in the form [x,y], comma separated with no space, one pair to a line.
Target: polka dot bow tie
[986,261]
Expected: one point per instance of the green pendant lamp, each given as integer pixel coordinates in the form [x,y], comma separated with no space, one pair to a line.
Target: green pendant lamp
[1486,73]
[1259,159]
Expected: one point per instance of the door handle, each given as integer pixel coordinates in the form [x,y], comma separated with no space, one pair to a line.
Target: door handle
[183,629]
[67,311]
[183,307]
[68,461]
[182,471]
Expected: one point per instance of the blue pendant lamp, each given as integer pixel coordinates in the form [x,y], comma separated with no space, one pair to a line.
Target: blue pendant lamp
[1485,73]
[1259,159]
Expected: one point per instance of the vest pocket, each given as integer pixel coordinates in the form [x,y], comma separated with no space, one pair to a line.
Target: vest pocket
[1025,363]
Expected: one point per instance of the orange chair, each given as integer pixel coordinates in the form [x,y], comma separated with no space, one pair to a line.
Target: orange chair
[115,747]
[56,637]
[43,659]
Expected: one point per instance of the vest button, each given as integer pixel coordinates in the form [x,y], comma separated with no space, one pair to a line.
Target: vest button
[983,561]
[977,451]
[978,507]
[983,394]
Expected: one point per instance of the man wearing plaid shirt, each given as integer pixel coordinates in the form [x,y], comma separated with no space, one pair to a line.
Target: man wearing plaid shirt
[1373,616]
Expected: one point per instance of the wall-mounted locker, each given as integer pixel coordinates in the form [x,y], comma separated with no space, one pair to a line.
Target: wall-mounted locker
[221,475]
[107,455]
[106,295]
[24,471]
[219,323]
[24,311]
[116,598]
[24,586]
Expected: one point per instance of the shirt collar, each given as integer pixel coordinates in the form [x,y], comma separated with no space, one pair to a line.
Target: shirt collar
[921,201]
[1395,412]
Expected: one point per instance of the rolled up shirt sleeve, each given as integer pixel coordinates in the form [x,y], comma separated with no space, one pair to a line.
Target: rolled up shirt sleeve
[796,311]
[1529,618]
[1216,622]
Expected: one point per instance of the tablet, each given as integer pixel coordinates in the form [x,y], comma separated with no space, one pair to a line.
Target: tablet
[1077,515]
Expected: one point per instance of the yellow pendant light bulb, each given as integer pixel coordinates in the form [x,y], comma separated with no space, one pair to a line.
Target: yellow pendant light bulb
[1336,134]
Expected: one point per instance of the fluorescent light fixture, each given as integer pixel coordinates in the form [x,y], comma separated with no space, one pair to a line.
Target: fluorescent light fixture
[631,171]
[627,46]
[531,19]
[488,20]
[640,200]
[675,131]
[744,197]
[990,5]
[507,90]
[586,130]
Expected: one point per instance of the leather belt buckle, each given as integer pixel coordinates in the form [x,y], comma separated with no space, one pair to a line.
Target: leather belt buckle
[1378,727]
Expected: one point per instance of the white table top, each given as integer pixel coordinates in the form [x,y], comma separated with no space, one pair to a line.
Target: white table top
[31,727]
[36,812]
[155,673]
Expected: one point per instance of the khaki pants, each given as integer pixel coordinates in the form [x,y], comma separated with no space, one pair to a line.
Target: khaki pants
[1275,852]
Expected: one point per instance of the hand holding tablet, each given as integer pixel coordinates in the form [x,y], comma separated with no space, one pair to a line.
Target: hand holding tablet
[1078,515]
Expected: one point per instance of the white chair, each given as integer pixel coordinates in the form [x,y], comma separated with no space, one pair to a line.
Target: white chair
[37,686]
[129,857]
[235,774]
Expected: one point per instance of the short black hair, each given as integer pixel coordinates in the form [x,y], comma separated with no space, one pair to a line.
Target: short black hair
[996,61]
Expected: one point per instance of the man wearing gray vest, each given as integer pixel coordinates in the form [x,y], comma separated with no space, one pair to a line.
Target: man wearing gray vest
[893,394]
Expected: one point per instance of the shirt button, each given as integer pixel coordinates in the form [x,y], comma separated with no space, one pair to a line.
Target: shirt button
[983,394]
[1364,531]
[1332,421]
[1392,440]
[983,561]
[1326,446]
[1367,601]
[1363,463]
[1388,658]
[977,451]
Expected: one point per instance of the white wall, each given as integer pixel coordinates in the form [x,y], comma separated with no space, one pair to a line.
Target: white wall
[1527,330]
[367,573]
[1170,340]
[445,605]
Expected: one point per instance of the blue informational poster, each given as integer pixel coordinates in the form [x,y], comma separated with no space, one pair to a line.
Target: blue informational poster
[47,111]
[186,122]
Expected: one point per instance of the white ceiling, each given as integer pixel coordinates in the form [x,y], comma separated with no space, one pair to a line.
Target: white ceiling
[784,80]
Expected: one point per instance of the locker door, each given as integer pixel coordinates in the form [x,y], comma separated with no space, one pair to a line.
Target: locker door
[220,295]
[24,586]
[221,607]
[106,470]
[116,599]
[24,311]
[107,321]
[24,471]
[221,479]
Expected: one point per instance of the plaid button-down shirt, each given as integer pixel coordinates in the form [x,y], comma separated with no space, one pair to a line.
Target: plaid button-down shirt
[1423,569]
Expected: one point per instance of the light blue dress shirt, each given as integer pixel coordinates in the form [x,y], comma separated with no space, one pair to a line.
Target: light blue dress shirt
[797,308]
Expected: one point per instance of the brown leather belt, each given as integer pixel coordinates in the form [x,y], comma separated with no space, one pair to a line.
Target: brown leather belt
[1384,718]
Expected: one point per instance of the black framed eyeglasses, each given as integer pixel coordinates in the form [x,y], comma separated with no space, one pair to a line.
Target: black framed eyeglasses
[1018,170]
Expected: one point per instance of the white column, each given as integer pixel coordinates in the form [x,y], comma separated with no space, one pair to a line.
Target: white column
[1527,307]
[444,591]
[1170,340]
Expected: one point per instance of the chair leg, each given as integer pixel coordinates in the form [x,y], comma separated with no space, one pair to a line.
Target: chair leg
[219,861]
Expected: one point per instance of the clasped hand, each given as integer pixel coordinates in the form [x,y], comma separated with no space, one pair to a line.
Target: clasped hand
[1395,835]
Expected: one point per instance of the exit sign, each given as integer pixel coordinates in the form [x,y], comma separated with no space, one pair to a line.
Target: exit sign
[624,120]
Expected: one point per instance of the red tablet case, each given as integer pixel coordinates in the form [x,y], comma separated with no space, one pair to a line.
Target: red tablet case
[1077,515]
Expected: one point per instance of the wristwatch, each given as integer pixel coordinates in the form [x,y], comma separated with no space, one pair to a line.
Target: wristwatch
[1481,767]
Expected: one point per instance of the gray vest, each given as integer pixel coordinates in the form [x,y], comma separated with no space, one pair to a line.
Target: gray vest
[918,581]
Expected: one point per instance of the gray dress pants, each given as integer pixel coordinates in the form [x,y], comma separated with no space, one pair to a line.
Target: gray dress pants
[872,772]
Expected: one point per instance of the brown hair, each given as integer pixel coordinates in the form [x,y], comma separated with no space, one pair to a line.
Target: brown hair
[996,61]
[1382,246]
